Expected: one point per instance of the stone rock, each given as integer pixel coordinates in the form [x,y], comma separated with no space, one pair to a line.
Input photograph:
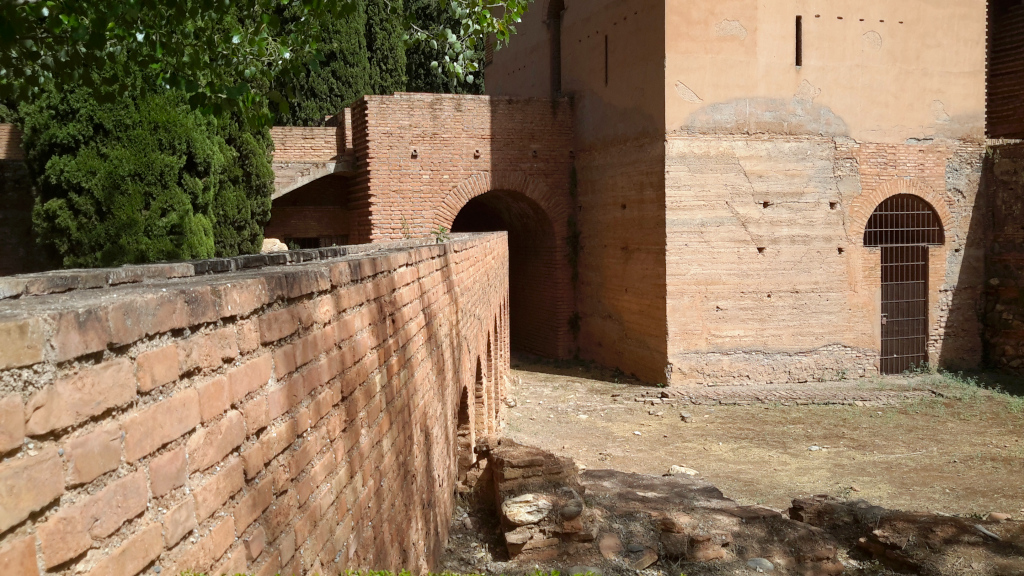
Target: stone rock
[761,564]
[572,510]
[520,535]
[674,522]
[706,547]
[271,245]
[814,448]
[686,417]
[526,509]
[675,545]
[635,548]
[610,546]
[999,516]
[646,559]
[680,470]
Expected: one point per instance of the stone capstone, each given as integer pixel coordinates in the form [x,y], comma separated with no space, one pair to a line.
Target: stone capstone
[526,509]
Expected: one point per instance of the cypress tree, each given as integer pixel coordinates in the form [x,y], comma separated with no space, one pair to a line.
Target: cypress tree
[385,46]
[341,78]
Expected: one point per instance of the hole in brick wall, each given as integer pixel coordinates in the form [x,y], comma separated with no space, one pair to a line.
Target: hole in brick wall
[833,205]
[765,204]
[841,249]
[769,295]
[799,41]
[537,317]
[476,154]
[534,153]
[464,437]
[839,17]
[415,153]
[623,206]
[761,249]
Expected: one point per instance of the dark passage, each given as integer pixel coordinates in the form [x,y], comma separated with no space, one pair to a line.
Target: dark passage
[534,305]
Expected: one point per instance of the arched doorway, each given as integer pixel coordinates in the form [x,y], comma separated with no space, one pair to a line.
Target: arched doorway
[903,227]
[538,312]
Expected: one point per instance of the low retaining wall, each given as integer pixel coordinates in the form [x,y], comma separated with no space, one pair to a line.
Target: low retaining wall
[299,418]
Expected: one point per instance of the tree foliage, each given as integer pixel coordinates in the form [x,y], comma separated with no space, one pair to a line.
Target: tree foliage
[422,77]
[213,51]
[385,44]
[144,178]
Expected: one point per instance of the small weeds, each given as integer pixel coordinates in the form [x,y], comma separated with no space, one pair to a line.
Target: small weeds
[441,235]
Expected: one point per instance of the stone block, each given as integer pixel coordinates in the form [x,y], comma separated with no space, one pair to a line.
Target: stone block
[167,471]
[23,340]
[157,367]
[12,423]
[19,557]
[74,399]
[163,422]
[132,556]
[210,445]
[94,454]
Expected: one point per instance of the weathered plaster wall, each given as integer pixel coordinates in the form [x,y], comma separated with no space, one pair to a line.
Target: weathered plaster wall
[297,419]
[768,276]
[1004,303]
[874,70]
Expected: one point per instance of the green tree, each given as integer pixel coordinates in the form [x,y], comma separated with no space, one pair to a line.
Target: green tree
[385,44]
[187,45]
[422,77]
[342,77]
[144,178]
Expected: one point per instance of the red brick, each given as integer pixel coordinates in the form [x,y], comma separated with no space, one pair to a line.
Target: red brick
[277,325]
[281,399]
[134,555]
[240,297]
[252,505]
[248,336]
[80,332]
[252,460]
[179,521]
[23,340]
[157,367]
[249,377]
[161,423]
[19,557]
[274,441]
[28,484]
[256,415]
[255,543]
[219,488]
[210,445]
[93,454]
[12,423]
[207,351]
[167,471]
[72,400]
[233,563]
[208,550]
[214,398]
[272,567]
[72,530]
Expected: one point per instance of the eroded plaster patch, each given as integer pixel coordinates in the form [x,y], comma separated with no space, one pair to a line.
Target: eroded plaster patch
[686,94]
[872,40]
[807,92]
[939,111]
[731,28]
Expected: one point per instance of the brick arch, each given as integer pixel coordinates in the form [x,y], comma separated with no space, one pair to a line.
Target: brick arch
[483,182]
[864,205]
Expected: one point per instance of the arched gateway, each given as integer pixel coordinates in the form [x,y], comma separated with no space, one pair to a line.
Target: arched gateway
[904,226]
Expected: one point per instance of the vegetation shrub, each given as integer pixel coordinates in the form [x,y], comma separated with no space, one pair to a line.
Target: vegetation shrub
[385,45]
[143,178]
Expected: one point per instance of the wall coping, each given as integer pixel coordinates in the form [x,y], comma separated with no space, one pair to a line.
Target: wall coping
[62,281]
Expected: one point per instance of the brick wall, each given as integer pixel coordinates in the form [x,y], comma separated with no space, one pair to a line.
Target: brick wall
[422,157]
[297,419]
[1004,302]
[307,144]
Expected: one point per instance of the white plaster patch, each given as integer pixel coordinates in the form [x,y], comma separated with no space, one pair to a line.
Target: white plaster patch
[939,111]
[807,92]
[686,94]
[872,40]
[731,28]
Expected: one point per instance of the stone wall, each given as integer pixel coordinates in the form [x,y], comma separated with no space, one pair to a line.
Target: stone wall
[1004,302]
[298,418]
[768,278]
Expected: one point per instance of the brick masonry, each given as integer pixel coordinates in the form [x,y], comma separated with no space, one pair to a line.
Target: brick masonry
[1004,291]
[297,418]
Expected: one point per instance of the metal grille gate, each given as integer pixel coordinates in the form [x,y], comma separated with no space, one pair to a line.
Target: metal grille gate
[903,226]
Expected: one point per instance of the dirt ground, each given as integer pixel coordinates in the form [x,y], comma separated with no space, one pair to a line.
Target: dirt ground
[958,453]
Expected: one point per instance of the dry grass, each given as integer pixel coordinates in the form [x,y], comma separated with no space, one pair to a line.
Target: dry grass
[959,452]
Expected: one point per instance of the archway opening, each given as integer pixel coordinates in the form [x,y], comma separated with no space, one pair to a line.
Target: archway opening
[464,437]
[537,313]
[904,226]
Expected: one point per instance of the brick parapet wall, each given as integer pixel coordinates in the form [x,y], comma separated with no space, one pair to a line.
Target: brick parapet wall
[297,419]
[307,144]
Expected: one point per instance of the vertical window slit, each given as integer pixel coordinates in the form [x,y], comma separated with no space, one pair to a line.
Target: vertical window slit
[799,41]
[605,59]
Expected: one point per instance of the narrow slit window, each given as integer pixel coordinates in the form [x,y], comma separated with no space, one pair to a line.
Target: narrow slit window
[799,41]
[605,59]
